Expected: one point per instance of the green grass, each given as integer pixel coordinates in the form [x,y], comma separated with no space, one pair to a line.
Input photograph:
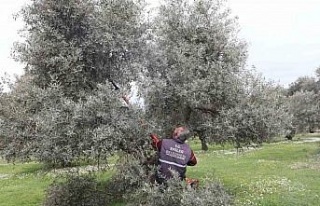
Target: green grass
[277,174]
[21,184]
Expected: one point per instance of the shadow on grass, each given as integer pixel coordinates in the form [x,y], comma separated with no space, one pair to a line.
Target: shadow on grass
[21,168]
[28,168]
[32,168]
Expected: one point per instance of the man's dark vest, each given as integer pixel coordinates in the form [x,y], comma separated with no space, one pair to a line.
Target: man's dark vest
[174,155]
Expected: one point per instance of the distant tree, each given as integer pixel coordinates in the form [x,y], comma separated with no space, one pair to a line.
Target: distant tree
[261,114]
[318,72]
[304,102]
[303,84]
[16,113]
[318,78]
[1,87]
[305,108]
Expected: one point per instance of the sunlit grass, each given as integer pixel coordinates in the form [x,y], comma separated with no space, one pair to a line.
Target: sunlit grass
[25,184]
[21,184]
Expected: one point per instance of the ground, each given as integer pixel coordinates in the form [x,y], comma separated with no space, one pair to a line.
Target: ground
[281,173]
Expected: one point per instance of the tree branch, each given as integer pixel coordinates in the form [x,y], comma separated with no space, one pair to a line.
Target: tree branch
[208,110]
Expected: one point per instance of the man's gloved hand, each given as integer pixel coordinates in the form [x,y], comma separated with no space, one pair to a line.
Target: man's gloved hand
[155,140]
[154,137]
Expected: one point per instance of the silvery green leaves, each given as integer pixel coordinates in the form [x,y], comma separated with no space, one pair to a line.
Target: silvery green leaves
[177,192]
[203,82]
[187,61]
[78,54]
[201,59]
[304,106]
[81,43]
[45,125]
[261,113]
[303,102]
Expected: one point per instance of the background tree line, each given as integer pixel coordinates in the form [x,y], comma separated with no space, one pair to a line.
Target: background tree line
[304,102]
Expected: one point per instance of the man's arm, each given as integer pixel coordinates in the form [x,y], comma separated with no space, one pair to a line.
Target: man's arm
[193,160]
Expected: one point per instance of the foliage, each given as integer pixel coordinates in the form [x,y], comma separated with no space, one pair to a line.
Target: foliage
[303,84]
[80,43]
[68,104]
[177,193]
[76,190]
[65,110]
[305,108]
[16,113]
[130,175]
[57,130]
[261,114]
[193,74]
[199,78]
[303,95]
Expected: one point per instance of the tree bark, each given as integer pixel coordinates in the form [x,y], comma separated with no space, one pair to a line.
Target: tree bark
[204,145]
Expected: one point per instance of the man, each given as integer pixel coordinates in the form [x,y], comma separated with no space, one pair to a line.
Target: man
[174,155]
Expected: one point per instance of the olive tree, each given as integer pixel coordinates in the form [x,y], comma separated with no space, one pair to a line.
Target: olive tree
[45,125]
[78,53]
[305,83]
[197,76]
[200,58]
[80,43]
[303,96]
[261,114]
[16,114]
[305,106]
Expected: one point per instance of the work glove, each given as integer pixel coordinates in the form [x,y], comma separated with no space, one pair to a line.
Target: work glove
[155,140]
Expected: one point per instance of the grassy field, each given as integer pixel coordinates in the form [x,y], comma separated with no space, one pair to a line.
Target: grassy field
[283,173]
[22,184]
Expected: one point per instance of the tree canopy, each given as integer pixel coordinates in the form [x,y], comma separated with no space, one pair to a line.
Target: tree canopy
[199,77]
[187,60]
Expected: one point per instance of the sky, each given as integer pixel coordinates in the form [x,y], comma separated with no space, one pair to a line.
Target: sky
[8,35]
[283,36]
